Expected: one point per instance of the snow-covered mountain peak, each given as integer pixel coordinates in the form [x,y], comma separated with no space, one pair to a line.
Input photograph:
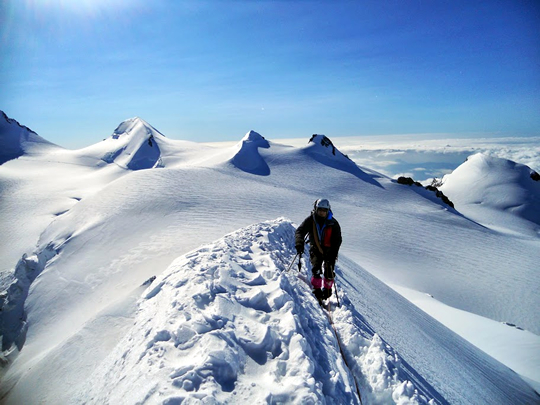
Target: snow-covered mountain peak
[135,127]
[253,136]
[248,158]
[17,140]
[135,145]
[323,144]
[321,149]
[12,121]
[494,191]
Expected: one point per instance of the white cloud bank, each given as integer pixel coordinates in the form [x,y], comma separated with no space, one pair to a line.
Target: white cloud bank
[423,157]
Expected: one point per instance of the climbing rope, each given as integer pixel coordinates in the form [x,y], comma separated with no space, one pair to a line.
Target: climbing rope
[329,316]
[328,313]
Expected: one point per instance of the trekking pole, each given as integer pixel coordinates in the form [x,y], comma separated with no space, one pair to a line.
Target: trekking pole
[294,260]
[299,261]
[337,296]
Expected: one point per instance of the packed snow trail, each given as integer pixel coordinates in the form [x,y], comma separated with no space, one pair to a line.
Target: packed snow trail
[381,376]
[226,324]
[327,306]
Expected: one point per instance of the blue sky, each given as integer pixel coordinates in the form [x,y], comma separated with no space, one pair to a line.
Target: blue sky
[213,70]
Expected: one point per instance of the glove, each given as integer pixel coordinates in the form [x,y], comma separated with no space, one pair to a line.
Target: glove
[299,249]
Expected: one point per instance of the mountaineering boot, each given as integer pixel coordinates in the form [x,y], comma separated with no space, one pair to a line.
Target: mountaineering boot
[318,293]
[328,284]
[317,283]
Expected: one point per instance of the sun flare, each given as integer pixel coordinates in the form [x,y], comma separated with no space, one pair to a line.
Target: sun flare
[86,7]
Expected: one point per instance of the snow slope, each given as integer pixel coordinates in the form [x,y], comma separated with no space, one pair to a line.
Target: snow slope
[36,188]
[43,186]
[100,238]
[225,324]
[17,140]
[496,192]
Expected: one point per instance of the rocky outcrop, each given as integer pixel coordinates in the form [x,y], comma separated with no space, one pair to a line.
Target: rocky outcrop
[325,142]
[439,194]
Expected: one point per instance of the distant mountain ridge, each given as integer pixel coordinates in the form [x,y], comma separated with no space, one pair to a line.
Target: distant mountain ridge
[508,189]
[17,140]
[14,121]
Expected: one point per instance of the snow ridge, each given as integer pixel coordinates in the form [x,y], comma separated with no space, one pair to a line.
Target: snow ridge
[226,324]
[248,158]
[13,121]
[135,145]
[321,148]
[17,140]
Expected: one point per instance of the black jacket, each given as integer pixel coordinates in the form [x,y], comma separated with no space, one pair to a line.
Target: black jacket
[327,233]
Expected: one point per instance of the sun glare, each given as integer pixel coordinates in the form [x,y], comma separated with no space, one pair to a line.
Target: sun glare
[85,7]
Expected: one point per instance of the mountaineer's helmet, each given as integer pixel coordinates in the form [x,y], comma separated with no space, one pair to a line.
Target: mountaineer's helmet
[322,203]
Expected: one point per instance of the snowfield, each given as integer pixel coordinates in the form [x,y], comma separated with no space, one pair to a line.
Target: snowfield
[507,199]
[227,324]
[147,270]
